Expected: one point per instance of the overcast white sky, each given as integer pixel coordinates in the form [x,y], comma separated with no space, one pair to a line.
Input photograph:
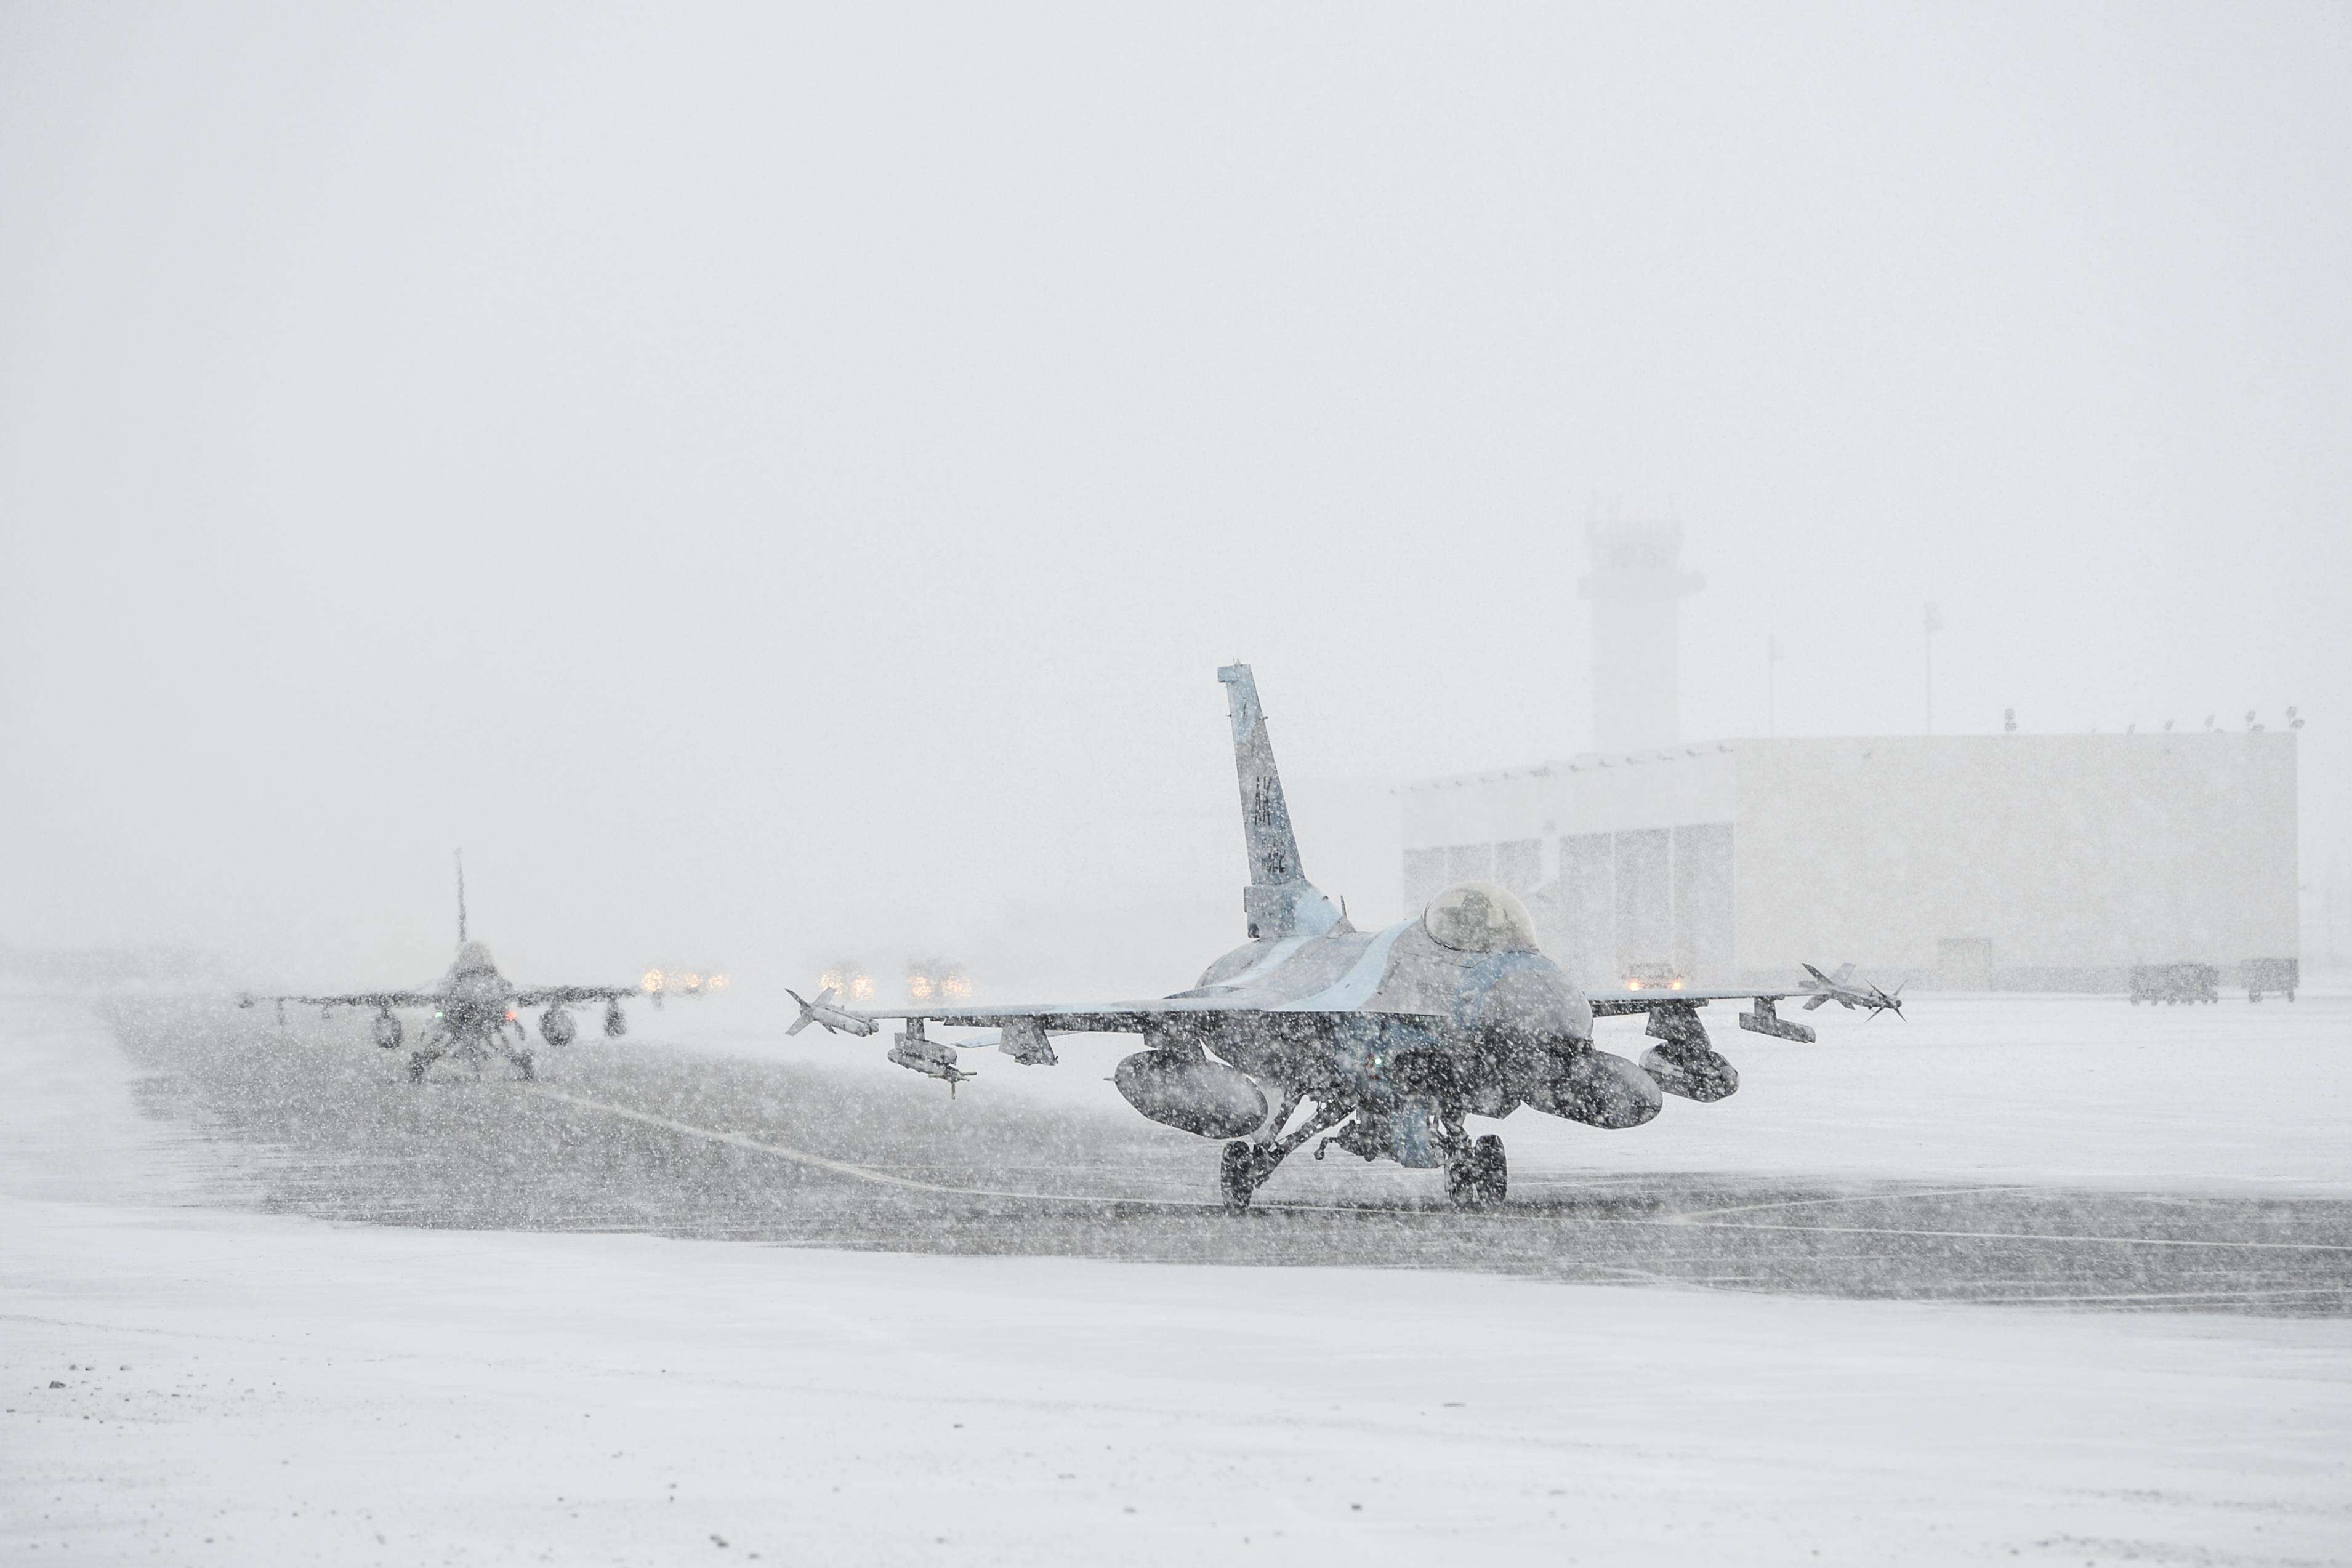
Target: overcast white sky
[768,481]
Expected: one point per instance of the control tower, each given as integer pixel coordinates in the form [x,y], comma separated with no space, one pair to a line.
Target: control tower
[1636,586]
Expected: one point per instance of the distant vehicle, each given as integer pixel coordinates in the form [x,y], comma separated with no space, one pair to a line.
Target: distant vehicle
[1839,988]
[846,978]
[936,981]
[1652,977]
[2264,976]
[659,982]
[2175,983]
[474,1007]
[1395,1036]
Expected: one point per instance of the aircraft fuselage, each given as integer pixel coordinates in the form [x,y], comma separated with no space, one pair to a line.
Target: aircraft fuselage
[1408,1031]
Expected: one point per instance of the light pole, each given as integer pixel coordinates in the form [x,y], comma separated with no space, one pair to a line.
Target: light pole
[1771,657]
[1932,619]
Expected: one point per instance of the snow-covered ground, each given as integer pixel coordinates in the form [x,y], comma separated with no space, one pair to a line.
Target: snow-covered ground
[243,1388]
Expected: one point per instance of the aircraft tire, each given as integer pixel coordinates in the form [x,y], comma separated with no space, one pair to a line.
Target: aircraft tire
[1237,1175]
[417,1062]
[522,1065]
[1490,1172]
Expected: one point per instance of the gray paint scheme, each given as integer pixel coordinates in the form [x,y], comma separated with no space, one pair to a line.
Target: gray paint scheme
[1393,1037]
[474,1008]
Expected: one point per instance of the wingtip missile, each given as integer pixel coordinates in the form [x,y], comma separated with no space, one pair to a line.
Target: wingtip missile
[1849,993]
[821,1011]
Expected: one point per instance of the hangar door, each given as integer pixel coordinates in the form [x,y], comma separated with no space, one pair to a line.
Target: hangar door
[1649,899]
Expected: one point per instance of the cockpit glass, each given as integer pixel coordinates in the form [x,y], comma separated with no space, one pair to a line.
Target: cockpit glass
[1480,917]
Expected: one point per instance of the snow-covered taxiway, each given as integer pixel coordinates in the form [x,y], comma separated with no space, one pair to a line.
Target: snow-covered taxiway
[492,1375]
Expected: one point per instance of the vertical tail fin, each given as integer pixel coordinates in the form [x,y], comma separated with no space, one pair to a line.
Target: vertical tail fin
[1279,900]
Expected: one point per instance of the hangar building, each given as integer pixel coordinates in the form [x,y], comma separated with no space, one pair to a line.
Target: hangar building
[2011,862]
[2008,861]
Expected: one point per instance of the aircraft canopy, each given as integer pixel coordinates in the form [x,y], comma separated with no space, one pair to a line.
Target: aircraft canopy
[473,959]
[1479,917]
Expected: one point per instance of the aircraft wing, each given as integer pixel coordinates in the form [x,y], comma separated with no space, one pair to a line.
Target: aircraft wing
[355,1000]
[1088,1017]
[542,996]
[1613,1004]
[1671,1016]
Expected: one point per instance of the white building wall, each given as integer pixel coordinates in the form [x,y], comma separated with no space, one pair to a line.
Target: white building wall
[2050,856]
[2035,860]
[1590,794]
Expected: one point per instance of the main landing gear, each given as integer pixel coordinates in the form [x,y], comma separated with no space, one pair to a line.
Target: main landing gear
[1247,1162]
[420,1061]
[467,1044]
[1478,1175]
[1240,1174]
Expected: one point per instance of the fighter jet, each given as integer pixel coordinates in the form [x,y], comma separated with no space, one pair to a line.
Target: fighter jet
[1839,988]
[1394,1038]
[475,1010]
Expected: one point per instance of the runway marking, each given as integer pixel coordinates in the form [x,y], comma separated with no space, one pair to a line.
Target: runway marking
[1690,1221]
[842,1167]
[1697,1214]
[2167,1296]
[883,1179]
[2019,1236]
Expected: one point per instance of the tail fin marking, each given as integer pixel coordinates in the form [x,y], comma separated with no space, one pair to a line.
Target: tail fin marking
[1279,900]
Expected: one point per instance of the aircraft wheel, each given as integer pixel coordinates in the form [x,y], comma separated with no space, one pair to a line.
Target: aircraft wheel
[1237,1175]
[522,1065]
[417,1062]
[1490,1173]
